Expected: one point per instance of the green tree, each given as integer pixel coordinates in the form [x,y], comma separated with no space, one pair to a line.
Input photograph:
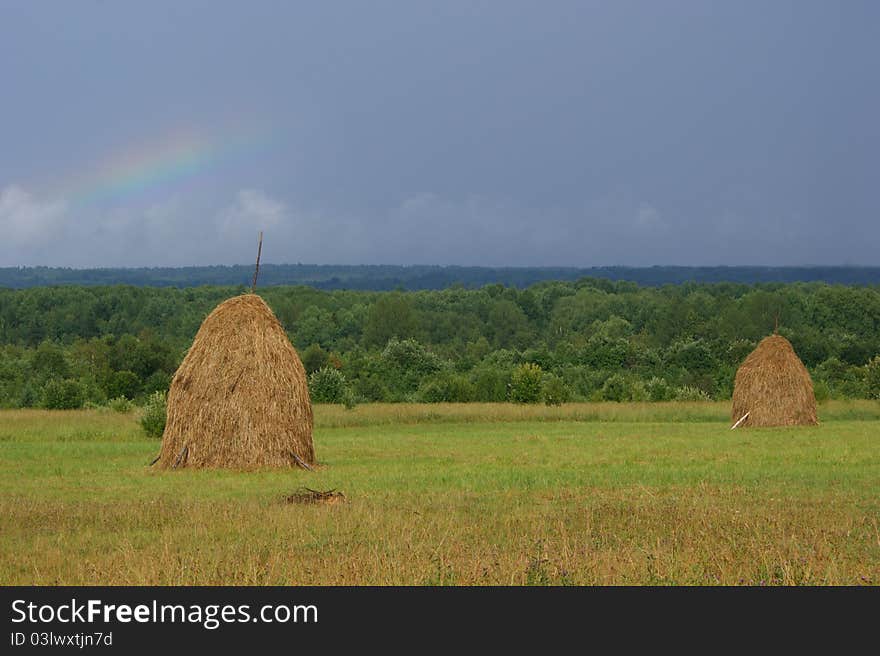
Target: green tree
[554,391]
[154,417]
[525,383]
[314,358]
[390,317]
[406,363]
[508,325]
[48,362]
[659,390]
[872,377]
[616,388]
[63,395]
[122,383]
[327,385]
[491,384]
[449,388]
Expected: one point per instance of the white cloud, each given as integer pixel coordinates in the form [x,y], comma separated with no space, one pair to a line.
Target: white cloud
[26,221]
[252,210]
[648,217]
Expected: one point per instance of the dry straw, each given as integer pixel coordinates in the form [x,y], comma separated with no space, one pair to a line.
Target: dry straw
[773,387]
[239,399]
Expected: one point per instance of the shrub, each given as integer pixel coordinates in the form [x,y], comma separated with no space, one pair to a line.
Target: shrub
[638,392]
[371,388]
[872,378]
[327,385]
[120,404]
[154,415]
[616,388]
[525,383]
[158,381]
[688,393]
[314,358]
[122,383]
[349,399]
[63,395]
[821,391]
[693,355]
[738,350]
[447,389]
[844,380]
[554,391]
[29,396]
[404,365]
[48,362]
[659,390]
[491,384]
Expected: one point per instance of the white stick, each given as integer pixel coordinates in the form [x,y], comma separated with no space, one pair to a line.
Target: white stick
[741,420]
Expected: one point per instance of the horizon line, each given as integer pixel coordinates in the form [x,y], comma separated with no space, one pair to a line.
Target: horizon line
[570,267]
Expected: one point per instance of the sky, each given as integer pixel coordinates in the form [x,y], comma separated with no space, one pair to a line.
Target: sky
[497,133]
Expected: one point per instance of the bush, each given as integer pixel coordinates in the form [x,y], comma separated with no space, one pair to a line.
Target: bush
[29,396]
[844,380]
[554,391]
[872,378]
[63,395]
[821,391]
[659,390]
[327,385]
[491,384]
[688,393]
[154,415]
[447,389]
[158,381]
[638,391]
[122,383]
[616,388]
[370,388]
[120,404]
[349,400]
[314,358]
[48,362]
[405,365]
[525,383]
[693,355]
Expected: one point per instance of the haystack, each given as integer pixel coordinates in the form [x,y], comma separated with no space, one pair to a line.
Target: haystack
[239,399]
[774,387]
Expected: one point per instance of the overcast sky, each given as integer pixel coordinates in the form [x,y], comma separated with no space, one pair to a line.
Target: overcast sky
[445,132]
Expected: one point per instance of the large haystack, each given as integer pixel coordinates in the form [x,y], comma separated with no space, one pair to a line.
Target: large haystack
[774,387]
[239,399]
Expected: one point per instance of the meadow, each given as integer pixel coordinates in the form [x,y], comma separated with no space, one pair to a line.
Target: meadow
[473,494]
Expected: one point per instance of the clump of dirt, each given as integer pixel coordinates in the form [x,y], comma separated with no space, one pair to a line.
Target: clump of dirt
[307,495]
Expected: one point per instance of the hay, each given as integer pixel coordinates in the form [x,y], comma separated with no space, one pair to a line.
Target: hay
[774,387]
[239,399]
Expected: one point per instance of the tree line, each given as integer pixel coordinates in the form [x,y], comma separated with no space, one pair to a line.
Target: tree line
[386,277]
[554,341]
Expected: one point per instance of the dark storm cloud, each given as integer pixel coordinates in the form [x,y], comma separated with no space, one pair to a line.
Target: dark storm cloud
[495,133]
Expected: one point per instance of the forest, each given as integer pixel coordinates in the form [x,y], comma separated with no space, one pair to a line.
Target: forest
[551,342]
[388,277]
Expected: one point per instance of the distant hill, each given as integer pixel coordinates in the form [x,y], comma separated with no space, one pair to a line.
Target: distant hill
[386,277]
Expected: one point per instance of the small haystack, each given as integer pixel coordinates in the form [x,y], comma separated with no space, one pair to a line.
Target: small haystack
[239,399]
[773,387]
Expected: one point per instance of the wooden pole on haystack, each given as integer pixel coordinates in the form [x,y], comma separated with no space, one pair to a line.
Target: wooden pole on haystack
[257,269]
[741,420]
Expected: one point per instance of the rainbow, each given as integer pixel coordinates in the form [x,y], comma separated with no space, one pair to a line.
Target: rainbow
[155,164]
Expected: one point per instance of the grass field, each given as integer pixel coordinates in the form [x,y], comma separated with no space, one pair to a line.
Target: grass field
[445,494]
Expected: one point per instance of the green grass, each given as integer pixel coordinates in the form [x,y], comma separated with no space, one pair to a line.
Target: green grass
[446,494]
